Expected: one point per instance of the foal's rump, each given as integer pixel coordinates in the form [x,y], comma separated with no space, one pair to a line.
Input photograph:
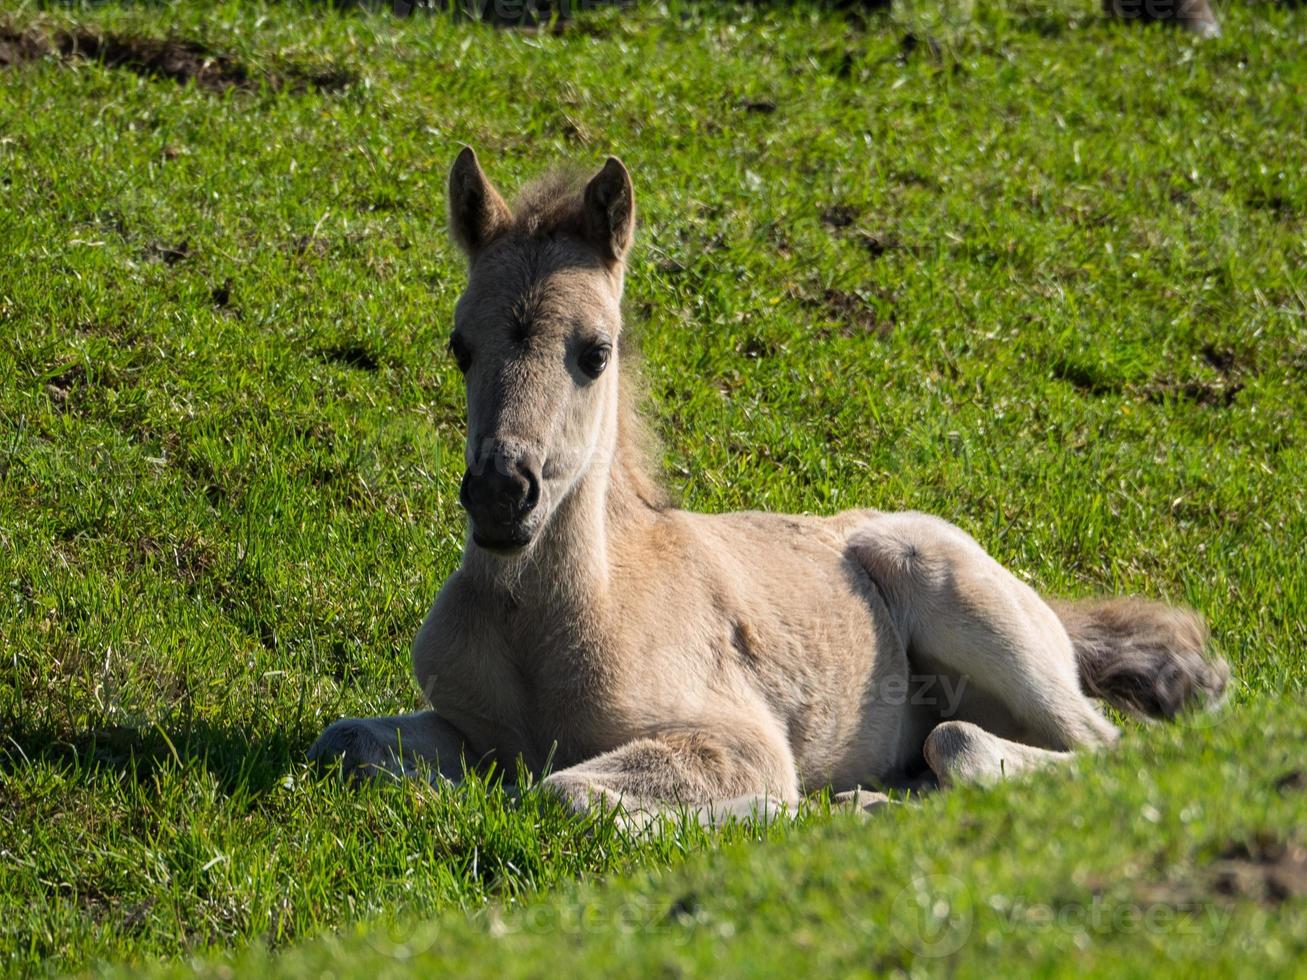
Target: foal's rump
[961,612]
[1148,659]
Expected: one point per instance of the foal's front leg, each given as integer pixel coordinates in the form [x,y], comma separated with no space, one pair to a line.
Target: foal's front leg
[739,768]
[404,746]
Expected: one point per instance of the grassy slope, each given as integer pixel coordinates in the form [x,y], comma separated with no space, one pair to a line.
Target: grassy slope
[1154,864]
[224,508]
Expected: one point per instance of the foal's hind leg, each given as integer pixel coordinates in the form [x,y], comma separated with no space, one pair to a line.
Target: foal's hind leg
[961,611]
[960,752]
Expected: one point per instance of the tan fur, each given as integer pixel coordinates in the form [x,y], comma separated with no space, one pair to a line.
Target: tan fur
[729,663]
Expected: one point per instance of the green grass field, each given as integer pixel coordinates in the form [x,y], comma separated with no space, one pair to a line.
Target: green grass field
[1034,271]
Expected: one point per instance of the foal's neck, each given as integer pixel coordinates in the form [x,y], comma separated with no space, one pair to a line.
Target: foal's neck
[567,572]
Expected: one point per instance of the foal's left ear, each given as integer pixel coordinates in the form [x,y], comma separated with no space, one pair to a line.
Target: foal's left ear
[610,210]
[476,211]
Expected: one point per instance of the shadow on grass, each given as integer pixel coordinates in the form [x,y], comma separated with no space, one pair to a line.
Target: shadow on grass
[238,761]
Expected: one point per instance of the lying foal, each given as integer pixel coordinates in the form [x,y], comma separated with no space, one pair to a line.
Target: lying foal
[719,662]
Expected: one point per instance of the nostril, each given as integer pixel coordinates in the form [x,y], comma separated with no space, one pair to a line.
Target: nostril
[532,491]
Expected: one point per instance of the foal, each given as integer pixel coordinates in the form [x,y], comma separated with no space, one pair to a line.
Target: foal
[719,662]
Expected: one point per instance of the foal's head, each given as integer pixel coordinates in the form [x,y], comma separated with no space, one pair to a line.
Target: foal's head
[535,334]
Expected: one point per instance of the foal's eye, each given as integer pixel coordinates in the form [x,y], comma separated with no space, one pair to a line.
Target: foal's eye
[462,356]
[595,359]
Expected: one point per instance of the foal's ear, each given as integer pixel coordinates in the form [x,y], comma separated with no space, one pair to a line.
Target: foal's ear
[476,211]
[610,210]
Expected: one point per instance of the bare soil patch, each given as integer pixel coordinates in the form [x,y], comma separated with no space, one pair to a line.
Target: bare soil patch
[353,355]
[856,315]
[1268,872]
[1265,870]
[181,60]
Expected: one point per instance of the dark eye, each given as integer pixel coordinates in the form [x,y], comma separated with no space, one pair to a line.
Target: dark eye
[462,356]
[595,359]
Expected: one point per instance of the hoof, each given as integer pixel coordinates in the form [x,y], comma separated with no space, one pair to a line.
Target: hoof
[1203,28]
[863,802]
[959,752]
[361,756]
[1195,16]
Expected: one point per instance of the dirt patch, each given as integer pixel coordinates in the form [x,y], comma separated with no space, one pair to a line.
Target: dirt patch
[354,355]
[309,245]
[220,295]
[1085,378]
[1222,359]
[17,47]
[1220,394]
[839,216]
[856,316]
[1267,872]
[62,385]
[171,254]
[1294,781]
[844,218]
[1280,206]
[178,59]
[877,245]
[189,558]
[758,347]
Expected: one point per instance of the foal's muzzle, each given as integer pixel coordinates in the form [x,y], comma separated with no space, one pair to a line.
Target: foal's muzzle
[500,491]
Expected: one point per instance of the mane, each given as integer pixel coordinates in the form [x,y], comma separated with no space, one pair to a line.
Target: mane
[639,452]
[551,204]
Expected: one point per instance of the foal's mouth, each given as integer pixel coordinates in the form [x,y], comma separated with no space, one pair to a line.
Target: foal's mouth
[512,543]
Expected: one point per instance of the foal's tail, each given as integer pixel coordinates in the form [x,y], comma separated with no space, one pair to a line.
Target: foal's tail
[1145,658]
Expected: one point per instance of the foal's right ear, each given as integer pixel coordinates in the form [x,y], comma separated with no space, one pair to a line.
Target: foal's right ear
[476,211]
[610,210]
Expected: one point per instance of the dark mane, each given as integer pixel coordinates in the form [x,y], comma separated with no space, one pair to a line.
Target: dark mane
[552,204]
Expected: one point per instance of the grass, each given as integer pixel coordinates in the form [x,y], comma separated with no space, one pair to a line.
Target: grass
[1043,277]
